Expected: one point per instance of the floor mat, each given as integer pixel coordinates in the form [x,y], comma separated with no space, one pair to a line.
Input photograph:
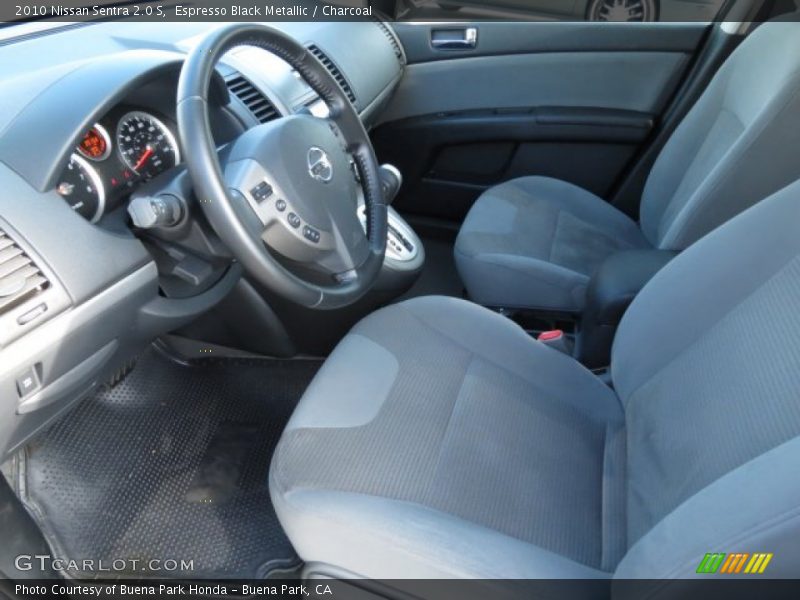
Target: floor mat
[171,464]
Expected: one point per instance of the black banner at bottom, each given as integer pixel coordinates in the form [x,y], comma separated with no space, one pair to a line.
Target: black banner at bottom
[406,589]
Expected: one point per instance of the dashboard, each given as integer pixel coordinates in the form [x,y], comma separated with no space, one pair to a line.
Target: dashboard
[84,127]
[127,147]
[136,140]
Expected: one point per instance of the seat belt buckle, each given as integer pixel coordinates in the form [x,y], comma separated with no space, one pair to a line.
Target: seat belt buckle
[556,340]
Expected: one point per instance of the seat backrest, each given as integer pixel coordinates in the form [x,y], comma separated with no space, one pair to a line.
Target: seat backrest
[736,146]
[706,363]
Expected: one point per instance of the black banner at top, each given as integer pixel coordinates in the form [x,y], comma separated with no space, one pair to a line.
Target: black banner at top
[625,11]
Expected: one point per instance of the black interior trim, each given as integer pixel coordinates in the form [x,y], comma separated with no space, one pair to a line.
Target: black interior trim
[551,123]
[21,536]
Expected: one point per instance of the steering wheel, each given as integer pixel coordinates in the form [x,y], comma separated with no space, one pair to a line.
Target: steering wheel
[286,192]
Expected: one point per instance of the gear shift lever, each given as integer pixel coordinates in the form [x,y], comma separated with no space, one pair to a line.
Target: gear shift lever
[401,242]
[391,180]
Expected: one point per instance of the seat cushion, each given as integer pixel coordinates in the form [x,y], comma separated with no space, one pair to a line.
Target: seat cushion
[439,440]
[535,242]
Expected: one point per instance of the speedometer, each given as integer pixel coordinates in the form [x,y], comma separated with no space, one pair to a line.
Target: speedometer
[146,145]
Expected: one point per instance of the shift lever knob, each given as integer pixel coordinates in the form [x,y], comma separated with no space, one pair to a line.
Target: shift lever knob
[391,180]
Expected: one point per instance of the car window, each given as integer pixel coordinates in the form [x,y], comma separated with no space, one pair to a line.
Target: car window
[562,10]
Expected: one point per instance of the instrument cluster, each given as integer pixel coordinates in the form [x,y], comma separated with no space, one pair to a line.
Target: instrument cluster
[124,149]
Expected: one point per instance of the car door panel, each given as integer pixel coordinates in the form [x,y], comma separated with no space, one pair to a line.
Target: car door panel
[510,37]
[570,100]
[466,155]
[632,81]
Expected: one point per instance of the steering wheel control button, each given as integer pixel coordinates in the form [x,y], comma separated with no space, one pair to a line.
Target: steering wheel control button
[311,234]
[261,192]
[280,204]
[294,220]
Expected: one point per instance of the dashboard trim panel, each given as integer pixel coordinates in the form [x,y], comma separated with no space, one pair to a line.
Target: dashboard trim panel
[54,349]
[94,89]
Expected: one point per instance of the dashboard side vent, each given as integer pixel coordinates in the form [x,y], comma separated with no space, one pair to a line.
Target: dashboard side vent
[20,278]
[253,99]
[392,37]
[333,70]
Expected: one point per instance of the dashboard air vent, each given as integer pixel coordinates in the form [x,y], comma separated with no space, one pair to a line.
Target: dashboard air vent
[333,70]
[20,278]
[390,35]
[253,99]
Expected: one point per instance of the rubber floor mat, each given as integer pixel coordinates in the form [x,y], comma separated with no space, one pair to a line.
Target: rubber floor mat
[170,465]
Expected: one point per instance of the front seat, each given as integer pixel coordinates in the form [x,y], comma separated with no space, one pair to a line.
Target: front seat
[441,441]
[534,242]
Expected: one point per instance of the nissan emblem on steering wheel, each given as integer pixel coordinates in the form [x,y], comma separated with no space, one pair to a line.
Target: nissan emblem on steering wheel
[319,165]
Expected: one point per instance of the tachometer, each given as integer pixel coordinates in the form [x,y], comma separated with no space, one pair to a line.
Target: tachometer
[82,188]
[146,145]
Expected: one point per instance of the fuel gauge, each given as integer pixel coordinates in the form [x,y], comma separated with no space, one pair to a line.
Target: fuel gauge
[82,188]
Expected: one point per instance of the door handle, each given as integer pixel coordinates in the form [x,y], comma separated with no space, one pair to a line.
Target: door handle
[462,38]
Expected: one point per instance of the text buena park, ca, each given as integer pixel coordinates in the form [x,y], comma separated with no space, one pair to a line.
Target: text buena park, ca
[217,590]
[191,11]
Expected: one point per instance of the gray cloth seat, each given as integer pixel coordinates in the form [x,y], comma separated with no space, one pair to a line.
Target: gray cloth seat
[534,242]
[537,241]
[439,440]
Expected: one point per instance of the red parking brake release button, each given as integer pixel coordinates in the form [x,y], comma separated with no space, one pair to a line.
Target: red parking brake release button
[549,336]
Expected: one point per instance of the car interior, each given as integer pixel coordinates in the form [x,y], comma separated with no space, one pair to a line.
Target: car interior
[402,298]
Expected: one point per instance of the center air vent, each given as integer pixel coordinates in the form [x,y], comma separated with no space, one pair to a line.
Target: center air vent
[390,35]
[334,71]
[20,278]
[253,99]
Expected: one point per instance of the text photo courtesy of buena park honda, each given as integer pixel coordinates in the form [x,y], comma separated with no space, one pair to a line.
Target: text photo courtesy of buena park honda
[400,299]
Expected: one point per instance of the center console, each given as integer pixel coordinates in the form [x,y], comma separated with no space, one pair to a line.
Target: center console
[611,290]
[402,244]
[405,255]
